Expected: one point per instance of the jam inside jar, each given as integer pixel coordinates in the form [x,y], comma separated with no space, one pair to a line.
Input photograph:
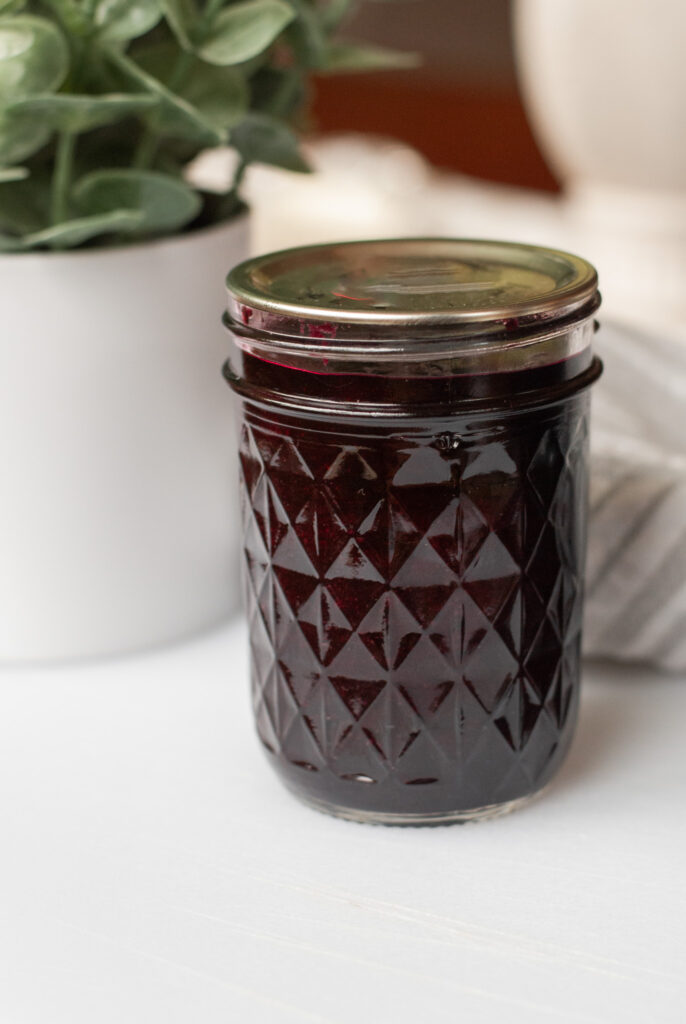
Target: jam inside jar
[413,452]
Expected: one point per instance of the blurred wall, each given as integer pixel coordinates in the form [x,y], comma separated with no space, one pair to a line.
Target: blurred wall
[464,41]
[461,108]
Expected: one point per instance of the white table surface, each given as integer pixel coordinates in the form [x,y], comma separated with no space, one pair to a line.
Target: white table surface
[153,870]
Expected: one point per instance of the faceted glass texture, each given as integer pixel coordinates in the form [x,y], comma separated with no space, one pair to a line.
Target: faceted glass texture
[414,595]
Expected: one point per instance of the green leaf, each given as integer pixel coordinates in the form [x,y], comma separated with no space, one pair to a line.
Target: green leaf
[264,140]
[121,20]
[71,233]
[181,15]
[220,95]
[33,57]
[8,243]
[20,136]
[244,30]
[176,116]
[334,13]
[307,36]
[67,112]
[24,204]
[13,174]
[11,6]
[349,56]
[74,16]
[165,203]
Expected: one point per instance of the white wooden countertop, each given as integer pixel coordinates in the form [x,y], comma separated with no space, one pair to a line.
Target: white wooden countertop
[152,869]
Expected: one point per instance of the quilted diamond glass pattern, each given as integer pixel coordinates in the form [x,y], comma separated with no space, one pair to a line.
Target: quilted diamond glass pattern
[415,606]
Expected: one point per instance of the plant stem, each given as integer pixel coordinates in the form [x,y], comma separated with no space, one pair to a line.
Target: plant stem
[145,150]
[150,139]
[182,65]
[209,14]
[61,177]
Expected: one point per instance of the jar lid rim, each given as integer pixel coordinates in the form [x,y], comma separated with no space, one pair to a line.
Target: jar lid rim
[422,283]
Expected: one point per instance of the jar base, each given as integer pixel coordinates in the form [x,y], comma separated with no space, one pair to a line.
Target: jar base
[432,818]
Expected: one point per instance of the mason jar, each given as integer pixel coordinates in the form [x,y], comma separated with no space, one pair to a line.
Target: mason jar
[413,452]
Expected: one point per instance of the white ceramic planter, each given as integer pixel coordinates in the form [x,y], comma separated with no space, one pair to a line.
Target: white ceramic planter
[605,86]
[118,506]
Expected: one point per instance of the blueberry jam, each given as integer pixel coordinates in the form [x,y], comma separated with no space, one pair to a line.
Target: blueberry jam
[413,553]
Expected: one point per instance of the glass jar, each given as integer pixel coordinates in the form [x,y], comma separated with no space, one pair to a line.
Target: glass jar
[413,449]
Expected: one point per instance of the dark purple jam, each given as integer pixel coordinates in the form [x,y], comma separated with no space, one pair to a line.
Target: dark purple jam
[414,584]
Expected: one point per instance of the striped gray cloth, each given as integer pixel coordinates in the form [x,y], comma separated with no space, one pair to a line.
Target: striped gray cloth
[636,571]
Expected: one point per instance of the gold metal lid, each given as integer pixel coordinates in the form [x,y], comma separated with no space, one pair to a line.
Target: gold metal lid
[420,283]
[439,305]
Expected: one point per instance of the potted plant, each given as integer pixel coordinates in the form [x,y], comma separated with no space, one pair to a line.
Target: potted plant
[117,492]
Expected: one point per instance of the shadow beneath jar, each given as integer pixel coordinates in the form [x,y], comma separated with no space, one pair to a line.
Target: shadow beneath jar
[612,718]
